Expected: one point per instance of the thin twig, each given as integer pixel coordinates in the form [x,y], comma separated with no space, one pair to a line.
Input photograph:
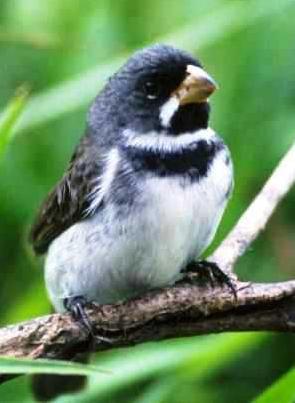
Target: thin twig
[255,218]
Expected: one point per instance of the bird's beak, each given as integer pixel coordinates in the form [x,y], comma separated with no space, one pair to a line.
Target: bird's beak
[196,87]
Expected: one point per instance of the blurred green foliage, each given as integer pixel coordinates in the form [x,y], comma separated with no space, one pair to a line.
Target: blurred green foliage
[64,50]
[281,391]
[10,117]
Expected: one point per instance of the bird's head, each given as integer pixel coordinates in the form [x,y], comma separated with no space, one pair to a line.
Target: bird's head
[160,89]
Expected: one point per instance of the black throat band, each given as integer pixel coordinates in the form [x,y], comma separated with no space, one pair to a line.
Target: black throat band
[193,160]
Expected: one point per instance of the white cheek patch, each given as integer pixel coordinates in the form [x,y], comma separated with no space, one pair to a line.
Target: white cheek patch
[168,110]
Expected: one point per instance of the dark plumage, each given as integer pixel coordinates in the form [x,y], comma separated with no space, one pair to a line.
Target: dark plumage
[68,201]
[124,103]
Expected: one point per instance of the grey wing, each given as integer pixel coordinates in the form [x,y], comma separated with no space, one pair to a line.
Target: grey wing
[69,201]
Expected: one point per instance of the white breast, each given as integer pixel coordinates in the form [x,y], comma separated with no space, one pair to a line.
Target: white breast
[109,257]
[185,216]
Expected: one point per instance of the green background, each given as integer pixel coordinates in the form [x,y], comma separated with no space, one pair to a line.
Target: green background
[64,50]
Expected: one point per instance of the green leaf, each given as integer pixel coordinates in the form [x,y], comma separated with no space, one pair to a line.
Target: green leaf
[17,390]
[10,117]
[197,356]
[10,365]
[157,391]
[282,391]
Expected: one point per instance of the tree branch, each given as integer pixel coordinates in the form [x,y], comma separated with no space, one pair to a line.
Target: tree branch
[194,308]
[258,213]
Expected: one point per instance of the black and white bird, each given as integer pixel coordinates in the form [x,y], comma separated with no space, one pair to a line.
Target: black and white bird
[145,189]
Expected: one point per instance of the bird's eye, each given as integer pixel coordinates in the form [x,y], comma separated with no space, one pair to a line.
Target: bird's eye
[151,89]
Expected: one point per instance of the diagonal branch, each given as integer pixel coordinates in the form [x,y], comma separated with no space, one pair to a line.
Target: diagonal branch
[195,309]
[258,213]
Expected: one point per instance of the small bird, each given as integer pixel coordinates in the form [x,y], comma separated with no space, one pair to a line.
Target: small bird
[144,191]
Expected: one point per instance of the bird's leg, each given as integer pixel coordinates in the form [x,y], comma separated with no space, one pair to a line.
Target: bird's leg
[210,272]
[76,307]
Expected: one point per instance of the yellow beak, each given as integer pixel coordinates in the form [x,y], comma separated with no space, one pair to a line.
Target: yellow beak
[196,87]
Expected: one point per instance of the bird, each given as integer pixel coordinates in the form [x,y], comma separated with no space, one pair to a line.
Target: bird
[145,190]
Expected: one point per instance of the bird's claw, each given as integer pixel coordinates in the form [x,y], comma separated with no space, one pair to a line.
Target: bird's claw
[210,272]
[76,307]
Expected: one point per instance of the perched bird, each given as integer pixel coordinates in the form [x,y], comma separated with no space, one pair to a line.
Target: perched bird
[145,189]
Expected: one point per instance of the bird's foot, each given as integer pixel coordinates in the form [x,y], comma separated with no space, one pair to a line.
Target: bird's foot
[76,307]
[209,272]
